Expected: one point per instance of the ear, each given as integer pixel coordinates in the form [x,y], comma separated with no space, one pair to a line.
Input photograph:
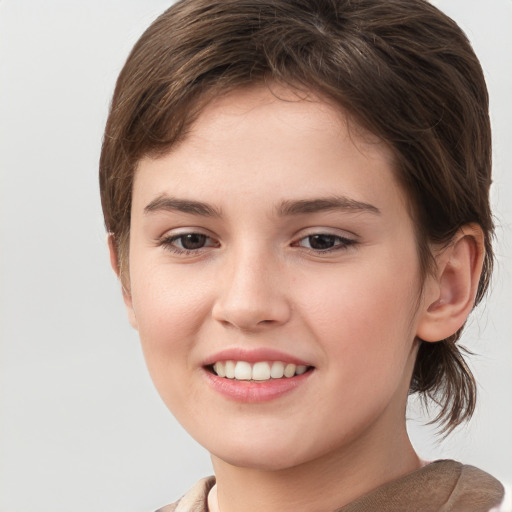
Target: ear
[450,293]
[116,267]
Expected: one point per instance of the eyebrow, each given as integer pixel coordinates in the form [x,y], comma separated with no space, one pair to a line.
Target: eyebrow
[167,203]
[325,204]
[285,209]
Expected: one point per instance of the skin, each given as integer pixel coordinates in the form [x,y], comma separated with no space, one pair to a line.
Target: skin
[352,313]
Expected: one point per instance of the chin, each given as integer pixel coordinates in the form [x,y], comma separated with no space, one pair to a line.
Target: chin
[263,456]
[259,462]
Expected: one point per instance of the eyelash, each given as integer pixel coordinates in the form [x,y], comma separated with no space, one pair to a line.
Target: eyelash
[169,243]
[341,243]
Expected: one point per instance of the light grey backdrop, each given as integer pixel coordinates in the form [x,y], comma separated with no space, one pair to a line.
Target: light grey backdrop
[81,428]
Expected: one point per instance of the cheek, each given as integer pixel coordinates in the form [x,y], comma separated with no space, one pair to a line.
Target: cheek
[170,311]
[364,329]
[166,301]
[365,318]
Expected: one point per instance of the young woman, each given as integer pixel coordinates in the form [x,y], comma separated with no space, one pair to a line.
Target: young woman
[297,197]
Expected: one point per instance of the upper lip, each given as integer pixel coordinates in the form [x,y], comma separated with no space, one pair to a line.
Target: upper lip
[253,356]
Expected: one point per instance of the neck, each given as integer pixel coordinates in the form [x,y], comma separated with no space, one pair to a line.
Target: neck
[320,485]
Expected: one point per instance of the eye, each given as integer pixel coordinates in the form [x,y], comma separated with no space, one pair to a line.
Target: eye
[188,242]
[324,242]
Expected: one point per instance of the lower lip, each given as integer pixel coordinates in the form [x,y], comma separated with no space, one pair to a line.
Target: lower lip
[246,391]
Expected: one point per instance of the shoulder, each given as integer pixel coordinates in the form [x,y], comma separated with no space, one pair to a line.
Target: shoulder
[506,504]
[195,500]
[476,488]
[441,486]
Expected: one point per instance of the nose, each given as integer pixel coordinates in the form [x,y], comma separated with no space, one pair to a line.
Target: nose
[252,294]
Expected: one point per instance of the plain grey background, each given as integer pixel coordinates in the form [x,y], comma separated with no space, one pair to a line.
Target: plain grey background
[81,428]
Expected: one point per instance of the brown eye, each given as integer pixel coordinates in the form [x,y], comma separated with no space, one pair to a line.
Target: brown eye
[324,242]
[188,243]
[192,241]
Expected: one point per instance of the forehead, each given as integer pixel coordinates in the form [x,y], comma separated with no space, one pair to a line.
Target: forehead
[275,142]
[295,109]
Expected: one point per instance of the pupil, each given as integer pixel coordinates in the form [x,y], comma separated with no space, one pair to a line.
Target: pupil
[321,241]
[193,241]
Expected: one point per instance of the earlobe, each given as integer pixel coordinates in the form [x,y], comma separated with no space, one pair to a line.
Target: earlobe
[127,297]
[450,294]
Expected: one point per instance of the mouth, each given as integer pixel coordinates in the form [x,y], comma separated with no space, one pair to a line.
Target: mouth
[260,371]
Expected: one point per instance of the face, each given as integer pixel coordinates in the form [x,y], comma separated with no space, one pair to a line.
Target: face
[274,281]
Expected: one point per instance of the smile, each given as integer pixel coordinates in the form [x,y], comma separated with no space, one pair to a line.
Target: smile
[258,371]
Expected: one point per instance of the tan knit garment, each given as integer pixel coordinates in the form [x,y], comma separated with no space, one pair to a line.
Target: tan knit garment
[443,486]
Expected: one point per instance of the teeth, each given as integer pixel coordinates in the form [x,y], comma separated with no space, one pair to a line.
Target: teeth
[219,369]
[301,369]
[289,370]
[243,371]
[230,369]
[277,370]
[260,371]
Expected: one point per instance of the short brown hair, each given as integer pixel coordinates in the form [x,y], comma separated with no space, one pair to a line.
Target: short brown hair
[404,70]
